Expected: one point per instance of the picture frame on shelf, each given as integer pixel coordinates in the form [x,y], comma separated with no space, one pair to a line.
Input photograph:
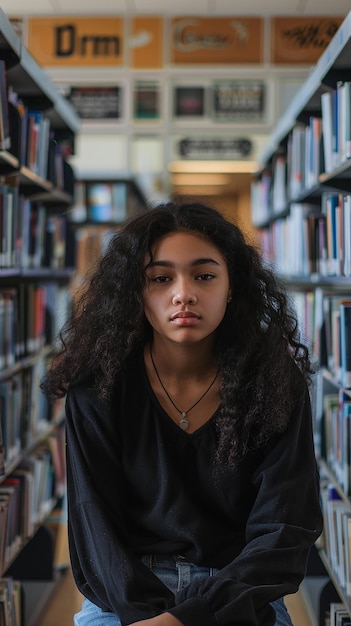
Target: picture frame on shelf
[239,101]
[97,102]
[146,101]
[189,101]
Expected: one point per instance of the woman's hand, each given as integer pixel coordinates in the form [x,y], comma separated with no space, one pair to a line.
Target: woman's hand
[165,619]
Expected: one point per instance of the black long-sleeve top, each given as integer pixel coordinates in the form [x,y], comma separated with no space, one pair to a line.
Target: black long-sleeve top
[138,484]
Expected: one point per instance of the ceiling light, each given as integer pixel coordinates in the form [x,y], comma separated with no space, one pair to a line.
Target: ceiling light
[204,167]
[191,178]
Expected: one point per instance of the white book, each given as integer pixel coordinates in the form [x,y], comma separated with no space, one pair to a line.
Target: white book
[279,199]
[327,129]
[297,173]
[341,122]
[347,119]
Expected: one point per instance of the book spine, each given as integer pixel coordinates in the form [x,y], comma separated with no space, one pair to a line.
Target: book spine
[345,336]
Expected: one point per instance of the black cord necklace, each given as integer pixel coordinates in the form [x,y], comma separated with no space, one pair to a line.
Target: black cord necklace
[183,422]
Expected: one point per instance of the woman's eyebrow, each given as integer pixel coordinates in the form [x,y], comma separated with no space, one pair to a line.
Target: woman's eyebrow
[201,261]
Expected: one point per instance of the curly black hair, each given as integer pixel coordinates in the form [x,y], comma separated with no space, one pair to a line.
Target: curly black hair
[263,364]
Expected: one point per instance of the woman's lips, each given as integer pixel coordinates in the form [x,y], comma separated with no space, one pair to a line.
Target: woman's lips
[185,318]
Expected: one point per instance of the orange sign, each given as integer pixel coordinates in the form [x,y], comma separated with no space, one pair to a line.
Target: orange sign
[70,41]
[301,39]
[146,43]
[211,40]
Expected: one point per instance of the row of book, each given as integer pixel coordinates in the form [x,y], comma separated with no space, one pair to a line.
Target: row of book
[103,202]
[337,436]
[338,615]
[90,241]
[42,237]
[29,132]
[31,316]
[336,122]
[27,497]
[336,537]
[314,148]
[296,170]
[24,412]
[28,135]
[305,157]
[325,325]
[30,236]
[11,602]
[311,239]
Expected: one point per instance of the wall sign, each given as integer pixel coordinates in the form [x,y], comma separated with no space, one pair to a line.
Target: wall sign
[96,103]
[146,42]
[301,39]
[69,41]
[213,147]
[239,100]
[211,40]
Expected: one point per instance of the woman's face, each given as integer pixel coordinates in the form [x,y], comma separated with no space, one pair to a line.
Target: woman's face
[187,288]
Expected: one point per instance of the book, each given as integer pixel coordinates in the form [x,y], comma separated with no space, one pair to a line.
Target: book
[327,129]
[347,236]
[335,135]
[345,341]
[345,442]
[5,140]
[347,119]
[279,184]
[331,206]
[34,130]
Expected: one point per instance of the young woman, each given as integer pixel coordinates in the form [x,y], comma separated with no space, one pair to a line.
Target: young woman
[192,482]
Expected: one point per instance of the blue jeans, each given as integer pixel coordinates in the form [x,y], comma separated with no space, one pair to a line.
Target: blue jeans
[175,573]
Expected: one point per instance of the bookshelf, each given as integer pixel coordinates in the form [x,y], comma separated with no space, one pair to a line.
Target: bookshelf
[102,203]
[301,205]
[37,131]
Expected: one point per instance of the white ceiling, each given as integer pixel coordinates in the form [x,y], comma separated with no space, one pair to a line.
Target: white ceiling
[176,7]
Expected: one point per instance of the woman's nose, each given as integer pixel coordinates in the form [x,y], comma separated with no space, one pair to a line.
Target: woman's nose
[184,295]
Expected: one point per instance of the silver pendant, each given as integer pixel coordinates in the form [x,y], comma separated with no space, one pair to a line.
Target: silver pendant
[183,422]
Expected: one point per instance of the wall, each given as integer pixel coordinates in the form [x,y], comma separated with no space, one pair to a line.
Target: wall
[134,78]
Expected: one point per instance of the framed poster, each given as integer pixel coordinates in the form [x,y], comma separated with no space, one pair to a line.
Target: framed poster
[146,100]
[189,101]
[239,100]
[97,103]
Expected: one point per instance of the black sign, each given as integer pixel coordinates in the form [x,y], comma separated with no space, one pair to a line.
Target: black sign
[235,148]
[96,103]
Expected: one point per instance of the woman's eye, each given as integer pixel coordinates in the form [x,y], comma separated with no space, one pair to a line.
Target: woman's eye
[160,279]
[205,276]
